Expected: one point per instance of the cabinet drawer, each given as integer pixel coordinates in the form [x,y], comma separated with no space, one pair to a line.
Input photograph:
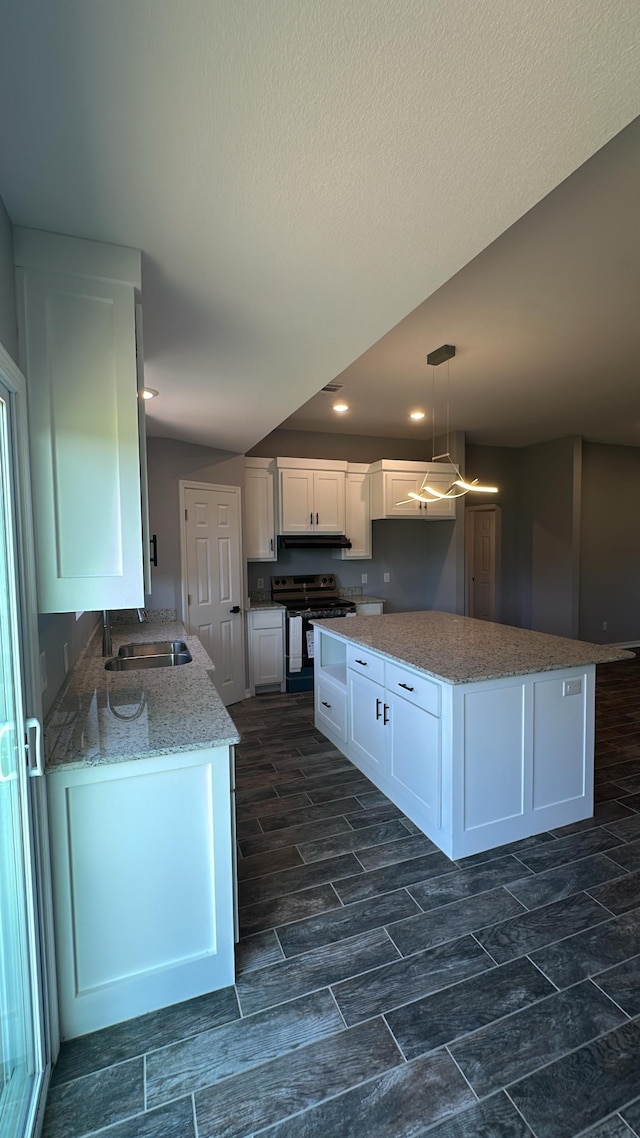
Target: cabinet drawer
[331,707]
[365,662]
[268,619]
[417,689]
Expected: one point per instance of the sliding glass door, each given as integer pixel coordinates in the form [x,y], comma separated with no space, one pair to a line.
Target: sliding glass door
[21,1034]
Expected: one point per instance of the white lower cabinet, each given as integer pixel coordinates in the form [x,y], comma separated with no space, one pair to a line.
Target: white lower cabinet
[367,722]
[143,885]
[266,648]
[474,765]
[415,760]
[331,707]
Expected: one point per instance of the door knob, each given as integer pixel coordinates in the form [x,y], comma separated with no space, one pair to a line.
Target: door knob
[236,608]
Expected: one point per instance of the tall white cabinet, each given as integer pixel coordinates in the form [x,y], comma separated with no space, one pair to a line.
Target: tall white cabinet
[259,512]
[76,303]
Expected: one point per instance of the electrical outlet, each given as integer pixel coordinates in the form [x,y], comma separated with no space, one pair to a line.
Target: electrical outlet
[260,584]
[43,671]
[572,687]
[364,578]
[605,625]
[386,578]
[65,657]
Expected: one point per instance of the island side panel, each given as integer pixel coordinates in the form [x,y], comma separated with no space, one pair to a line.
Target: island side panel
[522,757]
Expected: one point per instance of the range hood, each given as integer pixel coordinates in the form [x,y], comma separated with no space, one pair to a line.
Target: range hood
[314,541]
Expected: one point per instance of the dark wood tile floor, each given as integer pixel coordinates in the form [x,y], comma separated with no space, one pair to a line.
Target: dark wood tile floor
[384,991]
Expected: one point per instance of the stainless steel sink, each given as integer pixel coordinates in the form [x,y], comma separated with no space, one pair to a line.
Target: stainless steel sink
[154,648]
[160,660]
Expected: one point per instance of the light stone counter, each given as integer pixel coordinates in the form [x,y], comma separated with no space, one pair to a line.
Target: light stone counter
[461,650]
[106,717]
[261,606]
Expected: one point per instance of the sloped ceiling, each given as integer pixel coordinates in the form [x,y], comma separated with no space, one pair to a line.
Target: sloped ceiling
[300,174]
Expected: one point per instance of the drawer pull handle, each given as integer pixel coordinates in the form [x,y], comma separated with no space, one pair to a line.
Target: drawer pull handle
[385,718]
[363,662]
[405,686]
[378,705]
[325,704]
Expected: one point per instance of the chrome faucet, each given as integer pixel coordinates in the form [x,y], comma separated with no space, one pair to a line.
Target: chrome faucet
[106,633]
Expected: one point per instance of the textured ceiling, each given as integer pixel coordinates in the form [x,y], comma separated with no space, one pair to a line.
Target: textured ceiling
[299,174]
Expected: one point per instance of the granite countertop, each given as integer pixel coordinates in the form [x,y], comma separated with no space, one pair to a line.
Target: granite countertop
[258,606]
[461,650]
[111,717]
[369,600]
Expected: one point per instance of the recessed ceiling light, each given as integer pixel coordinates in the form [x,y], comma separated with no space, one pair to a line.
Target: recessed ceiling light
[416,415]
[341,407]
[149,393]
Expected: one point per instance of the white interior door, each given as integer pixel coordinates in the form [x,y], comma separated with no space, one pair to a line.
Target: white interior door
[22,1059]
[214,581]
[482,537]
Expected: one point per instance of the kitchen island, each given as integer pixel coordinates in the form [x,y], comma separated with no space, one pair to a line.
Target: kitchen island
[140,781]
[481,733]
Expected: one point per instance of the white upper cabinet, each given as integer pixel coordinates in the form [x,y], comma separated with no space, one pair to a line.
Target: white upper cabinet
[76,303]
[391,483]
[358,513]
[259,519]
[312,496]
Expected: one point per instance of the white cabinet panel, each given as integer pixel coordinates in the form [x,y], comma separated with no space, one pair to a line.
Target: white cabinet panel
[560,766]
[367,738]
[259,520]
[328,501]
[266,648]
[331,707]
[415,760]
[143,889]
[296,501]
[311,501]
[357,523]
[78,342]
[493,776]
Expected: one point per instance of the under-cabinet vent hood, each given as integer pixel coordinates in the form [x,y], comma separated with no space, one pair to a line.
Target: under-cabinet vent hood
[314,541]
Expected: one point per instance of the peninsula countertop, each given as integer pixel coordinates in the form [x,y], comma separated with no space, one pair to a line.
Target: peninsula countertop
[110,717]
[462,650]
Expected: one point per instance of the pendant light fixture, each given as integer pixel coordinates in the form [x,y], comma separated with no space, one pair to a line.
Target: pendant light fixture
[459,485]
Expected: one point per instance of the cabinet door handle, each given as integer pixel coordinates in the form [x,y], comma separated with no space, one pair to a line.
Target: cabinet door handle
[405,686]
[325,704]
[317,519]
[363,662]
[271,544]
[154,550]
[378,706]
[385,717]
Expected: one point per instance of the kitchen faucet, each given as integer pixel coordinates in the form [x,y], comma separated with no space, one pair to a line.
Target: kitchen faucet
[106,629]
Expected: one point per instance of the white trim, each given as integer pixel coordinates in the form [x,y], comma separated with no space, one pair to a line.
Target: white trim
[39,906]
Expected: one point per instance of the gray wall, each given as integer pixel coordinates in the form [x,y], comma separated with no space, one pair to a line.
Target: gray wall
[348,448]
[170,460]
[610,544]
[549,552]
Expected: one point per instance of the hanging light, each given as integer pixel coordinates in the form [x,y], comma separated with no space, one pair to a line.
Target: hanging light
[459,486]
